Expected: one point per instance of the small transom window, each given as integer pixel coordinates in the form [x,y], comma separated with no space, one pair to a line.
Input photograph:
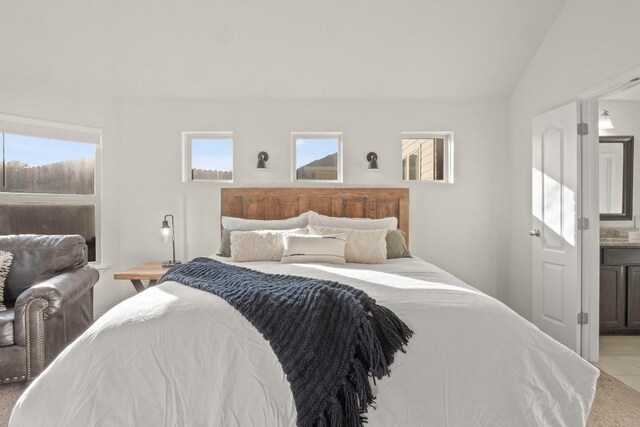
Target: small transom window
[208,156]
[317,157]
[427,157]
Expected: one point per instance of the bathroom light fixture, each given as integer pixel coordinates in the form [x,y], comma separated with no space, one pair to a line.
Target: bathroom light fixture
[605,121]
[372,158]
[167,231]
[262,160]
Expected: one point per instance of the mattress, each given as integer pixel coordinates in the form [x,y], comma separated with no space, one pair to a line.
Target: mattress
[174,355]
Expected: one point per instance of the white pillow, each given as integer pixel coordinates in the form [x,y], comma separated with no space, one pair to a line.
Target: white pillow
[232,223]
[259,245]
[390,223]
[363,246]
[327,248]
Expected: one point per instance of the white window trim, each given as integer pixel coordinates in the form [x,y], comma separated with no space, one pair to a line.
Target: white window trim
[187,137]
[315,135]
[56,130]
[448,152]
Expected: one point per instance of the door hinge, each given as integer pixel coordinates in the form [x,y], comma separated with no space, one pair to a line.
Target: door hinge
[583,129]
[583,318]
[583,223]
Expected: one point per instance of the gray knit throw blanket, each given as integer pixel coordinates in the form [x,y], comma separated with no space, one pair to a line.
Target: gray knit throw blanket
[329,337]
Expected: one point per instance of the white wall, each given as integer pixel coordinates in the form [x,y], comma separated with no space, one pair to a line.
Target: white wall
[476,228]
[454,226]
[626,121]
[590,41]
[32,101]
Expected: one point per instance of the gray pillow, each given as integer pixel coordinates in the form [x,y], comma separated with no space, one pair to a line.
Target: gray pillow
[5,264]
[397,245]
[225,244]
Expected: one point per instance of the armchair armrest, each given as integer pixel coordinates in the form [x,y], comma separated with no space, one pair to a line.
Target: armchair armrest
[48,299]
[40,313]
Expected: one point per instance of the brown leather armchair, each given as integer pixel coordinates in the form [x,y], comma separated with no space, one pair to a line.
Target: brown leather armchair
[49,299]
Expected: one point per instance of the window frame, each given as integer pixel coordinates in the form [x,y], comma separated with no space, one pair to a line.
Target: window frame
[316,135]
[448,145]
[60,131]
[187,160]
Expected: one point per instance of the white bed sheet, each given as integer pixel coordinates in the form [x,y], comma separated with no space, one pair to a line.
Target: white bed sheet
[173,355]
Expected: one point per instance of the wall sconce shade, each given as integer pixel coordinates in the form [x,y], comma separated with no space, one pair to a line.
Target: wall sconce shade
[605,121]
[263,156]
[167,231]
[372,158]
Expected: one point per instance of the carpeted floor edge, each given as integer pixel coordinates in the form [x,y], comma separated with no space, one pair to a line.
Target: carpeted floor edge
[615,404]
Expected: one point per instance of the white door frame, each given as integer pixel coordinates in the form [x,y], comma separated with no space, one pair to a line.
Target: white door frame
[588,112]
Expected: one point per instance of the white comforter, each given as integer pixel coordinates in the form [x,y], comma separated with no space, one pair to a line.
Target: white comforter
[177,356]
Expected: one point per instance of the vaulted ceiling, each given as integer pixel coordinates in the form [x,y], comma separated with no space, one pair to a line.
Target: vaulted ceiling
[273,49]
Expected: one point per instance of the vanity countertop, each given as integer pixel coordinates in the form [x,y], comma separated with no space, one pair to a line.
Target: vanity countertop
[618,242]
[617,238]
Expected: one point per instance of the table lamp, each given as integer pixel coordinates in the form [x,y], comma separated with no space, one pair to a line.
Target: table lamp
[166,231]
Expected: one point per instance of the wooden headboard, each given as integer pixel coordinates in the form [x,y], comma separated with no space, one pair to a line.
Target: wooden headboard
[281,203]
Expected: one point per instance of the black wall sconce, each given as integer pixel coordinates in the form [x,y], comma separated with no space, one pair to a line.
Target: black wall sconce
[262,160]
[372,158]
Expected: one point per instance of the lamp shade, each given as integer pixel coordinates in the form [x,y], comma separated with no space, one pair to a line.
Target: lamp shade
[168,232]
[605,121]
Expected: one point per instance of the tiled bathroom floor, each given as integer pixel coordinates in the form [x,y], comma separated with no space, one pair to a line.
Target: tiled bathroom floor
[620,358]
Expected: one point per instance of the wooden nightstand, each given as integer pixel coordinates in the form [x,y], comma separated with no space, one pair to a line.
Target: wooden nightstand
[151,272]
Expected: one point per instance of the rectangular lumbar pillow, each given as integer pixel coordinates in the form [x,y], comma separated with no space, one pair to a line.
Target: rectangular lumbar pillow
[390,223]
[397,245]
[259,245]
[5,263]
[321,249]
[363,246]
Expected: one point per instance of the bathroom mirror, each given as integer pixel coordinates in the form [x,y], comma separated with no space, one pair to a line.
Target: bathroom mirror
[616,177]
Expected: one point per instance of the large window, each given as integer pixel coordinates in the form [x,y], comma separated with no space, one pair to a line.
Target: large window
[49,179]
[427,157]
[33,164]
[317,157]
[208,156]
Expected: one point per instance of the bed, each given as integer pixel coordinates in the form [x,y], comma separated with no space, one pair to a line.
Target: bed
[174,355]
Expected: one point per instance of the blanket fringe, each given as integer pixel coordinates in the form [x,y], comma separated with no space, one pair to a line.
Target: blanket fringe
[380,336]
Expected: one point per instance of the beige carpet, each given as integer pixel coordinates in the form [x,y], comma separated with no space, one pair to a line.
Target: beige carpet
[615,405]
[9,393]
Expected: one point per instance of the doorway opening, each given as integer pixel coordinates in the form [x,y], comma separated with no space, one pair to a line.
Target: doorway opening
[610,177]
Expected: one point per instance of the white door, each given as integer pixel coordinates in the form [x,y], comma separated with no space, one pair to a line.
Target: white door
[554,235]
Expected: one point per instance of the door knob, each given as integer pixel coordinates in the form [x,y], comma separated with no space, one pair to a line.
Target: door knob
[534,233]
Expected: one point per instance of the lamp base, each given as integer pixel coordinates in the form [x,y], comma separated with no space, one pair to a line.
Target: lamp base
[170,263]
